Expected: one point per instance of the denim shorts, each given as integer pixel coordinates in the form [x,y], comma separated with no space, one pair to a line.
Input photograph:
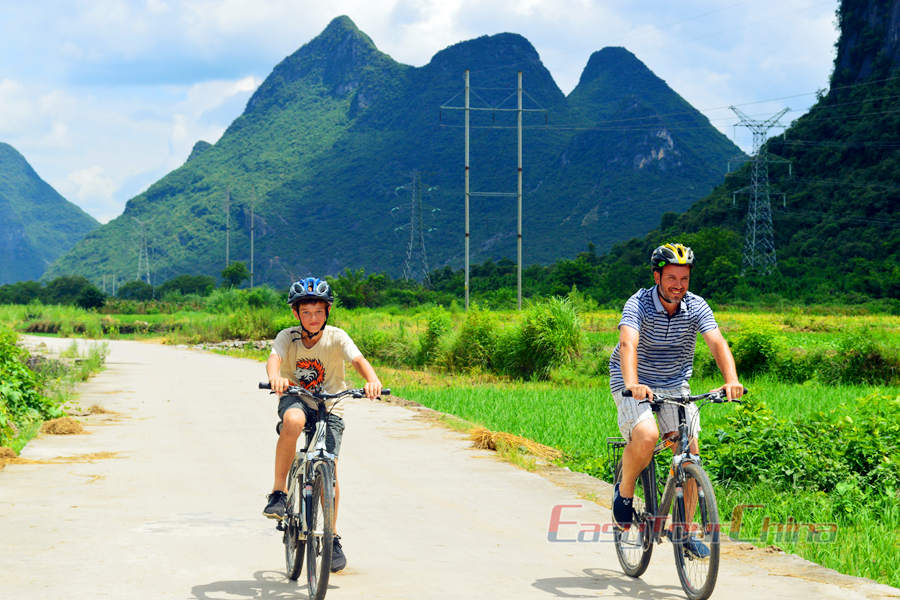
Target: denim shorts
[335,423]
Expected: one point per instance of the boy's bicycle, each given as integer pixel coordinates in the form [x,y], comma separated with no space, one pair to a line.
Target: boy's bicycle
[308,523]
[694,529]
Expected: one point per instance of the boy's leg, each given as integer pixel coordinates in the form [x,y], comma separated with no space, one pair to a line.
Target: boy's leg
[293,420]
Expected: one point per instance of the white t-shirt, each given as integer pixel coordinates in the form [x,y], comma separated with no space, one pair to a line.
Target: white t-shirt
[320,367]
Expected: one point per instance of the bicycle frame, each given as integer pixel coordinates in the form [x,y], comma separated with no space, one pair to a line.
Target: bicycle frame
[312,452]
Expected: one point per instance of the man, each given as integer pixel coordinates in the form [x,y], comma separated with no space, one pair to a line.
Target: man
[655,353]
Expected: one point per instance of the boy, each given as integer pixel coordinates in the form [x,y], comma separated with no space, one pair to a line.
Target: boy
[311,356]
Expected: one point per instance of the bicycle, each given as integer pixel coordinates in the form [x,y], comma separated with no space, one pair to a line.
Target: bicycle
[308,524]
[689,493]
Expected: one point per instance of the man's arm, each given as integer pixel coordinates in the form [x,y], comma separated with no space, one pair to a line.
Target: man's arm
[718,347]
[273,370]
[373,384]
[628,342]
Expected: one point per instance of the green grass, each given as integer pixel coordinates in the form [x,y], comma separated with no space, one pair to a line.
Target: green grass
[577,420]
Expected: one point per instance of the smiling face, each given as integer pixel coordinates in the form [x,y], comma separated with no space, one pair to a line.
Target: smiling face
[673,282]
[312,315]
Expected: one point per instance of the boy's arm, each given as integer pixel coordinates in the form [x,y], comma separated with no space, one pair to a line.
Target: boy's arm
[373,384]
[273,370]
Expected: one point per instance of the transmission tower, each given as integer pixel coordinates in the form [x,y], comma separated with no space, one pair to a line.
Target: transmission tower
[759,243]
[143,265]
[416,232]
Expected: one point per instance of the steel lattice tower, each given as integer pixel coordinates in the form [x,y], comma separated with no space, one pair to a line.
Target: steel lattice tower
[759,243]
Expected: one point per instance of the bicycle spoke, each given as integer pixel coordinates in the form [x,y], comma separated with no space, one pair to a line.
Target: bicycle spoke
[696,534]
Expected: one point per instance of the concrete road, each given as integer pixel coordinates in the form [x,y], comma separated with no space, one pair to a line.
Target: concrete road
[162,499]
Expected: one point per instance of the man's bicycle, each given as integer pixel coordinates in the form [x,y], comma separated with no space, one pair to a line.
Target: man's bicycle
[308,523]
[688,492]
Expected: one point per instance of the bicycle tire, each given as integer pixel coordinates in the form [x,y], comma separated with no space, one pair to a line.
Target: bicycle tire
[697,575]
[634,546]
[320,532]
[294,548]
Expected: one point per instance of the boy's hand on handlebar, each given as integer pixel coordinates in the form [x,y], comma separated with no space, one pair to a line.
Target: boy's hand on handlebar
[640,392]
[373,389]
[279,384]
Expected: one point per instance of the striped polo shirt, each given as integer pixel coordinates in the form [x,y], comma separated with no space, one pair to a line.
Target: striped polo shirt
[665,351]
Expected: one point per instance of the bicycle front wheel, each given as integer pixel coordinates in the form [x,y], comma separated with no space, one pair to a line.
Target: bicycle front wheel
[320,537]
[634,545]
[695,534]
[293,546]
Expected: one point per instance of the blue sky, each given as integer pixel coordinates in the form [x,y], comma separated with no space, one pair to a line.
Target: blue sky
[104,97]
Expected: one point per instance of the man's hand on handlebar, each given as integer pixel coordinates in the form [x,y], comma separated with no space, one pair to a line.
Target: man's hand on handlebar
[640,392]
[732,390]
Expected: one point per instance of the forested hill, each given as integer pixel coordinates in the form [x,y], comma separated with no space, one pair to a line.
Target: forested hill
[328,145]
[36,223]
[837,233]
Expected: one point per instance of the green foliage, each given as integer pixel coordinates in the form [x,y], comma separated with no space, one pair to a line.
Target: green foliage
[439,324]
[201,285]
[20,390]
[473,348]
[549,336]
[90,297]
[135,290]
[235,274]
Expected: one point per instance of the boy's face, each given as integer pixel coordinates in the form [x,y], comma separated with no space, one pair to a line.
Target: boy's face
[312,315]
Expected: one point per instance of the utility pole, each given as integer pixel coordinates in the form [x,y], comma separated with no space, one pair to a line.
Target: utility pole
[759,241]
[227,225]
[467,108]
[252,227]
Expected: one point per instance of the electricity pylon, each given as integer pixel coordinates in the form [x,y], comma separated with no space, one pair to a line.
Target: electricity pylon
[759,243]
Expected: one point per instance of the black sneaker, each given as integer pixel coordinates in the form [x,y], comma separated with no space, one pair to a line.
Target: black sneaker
[623,511]
[276,505]
[338,560]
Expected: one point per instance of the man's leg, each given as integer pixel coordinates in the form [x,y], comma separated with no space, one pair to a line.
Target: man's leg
[637,454]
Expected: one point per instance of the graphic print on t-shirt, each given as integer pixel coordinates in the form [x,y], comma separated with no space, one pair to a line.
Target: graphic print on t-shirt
[309,373]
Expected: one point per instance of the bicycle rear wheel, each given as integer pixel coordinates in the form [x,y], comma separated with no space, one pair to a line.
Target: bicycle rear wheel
[696,518]
[293,546]
[634,545]
[320,537]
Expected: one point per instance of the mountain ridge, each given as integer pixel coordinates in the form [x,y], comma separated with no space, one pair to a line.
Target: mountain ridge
[330,140]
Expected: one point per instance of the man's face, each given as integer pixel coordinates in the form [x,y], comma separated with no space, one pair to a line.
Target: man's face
[312,315]
[673,281]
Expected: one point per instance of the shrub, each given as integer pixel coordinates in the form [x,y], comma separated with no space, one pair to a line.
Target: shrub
[549,336]
[429,344]
[757,350]
[859,358]
[474,344]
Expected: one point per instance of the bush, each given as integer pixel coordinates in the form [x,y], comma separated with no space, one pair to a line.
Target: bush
[859,358]
[135,290]
[439,324]
[474,346]
[20,397]
[757,350]
[549,336]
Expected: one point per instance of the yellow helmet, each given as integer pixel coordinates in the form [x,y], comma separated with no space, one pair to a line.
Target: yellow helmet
[671,254]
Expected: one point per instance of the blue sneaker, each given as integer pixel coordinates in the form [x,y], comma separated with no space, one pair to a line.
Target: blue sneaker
[623,511]
[694,548]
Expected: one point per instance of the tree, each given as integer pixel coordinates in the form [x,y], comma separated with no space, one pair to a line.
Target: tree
[235,273]
[90,297]
[135,290]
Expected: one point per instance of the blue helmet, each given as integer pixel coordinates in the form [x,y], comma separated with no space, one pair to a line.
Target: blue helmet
[311,289]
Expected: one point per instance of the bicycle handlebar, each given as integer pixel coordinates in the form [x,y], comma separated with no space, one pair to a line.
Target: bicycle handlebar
[713,397]
[296,390]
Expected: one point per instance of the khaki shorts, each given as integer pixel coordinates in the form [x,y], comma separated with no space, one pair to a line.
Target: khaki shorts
[631,412]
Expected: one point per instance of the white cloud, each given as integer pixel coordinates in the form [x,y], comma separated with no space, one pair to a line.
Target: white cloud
[103,97]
